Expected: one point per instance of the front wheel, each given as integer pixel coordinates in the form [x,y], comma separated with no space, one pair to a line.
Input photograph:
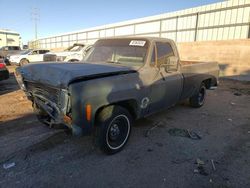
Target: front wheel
[73,60]
[23,62]
[198,99]
[113,129]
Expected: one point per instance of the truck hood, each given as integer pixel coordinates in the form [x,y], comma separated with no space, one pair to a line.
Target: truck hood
[60,75]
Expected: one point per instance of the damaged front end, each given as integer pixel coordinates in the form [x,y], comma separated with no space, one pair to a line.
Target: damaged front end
[51,105]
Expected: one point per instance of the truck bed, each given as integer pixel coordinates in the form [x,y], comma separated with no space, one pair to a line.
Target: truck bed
[194,72]
[199,67]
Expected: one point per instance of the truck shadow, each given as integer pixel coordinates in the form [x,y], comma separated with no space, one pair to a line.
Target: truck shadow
[9,85]
[244,76]
[234,73]
[27,136]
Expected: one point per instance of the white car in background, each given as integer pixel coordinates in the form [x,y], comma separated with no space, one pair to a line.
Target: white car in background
[74,53]
[30,56]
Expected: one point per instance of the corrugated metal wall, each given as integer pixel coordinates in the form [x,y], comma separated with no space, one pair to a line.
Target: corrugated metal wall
[219,21]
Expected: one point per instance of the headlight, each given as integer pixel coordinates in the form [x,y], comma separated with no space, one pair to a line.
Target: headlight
[19,79]
[64,101]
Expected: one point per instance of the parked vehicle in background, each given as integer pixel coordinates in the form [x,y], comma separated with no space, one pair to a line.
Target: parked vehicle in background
[25,47]
[4,73]
[121,80]
[7,51]
[74,53]
[25,57]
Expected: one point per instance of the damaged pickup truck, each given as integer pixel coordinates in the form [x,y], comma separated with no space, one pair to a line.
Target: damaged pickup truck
[121,80]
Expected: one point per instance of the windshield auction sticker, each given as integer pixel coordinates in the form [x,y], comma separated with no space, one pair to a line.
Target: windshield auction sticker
[137,43]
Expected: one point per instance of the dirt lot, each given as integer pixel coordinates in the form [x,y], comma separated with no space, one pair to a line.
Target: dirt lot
[47,157]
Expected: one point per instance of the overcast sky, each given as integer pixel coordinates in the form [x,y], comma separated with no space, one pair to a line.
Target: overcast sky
[60,16]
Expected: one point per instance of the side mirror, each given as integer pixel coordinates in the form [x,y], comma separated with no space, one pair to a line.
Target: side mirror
[172,64]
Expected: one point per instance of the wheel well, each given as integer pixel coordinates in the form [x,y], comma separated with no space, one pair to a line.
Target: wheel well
[130,105]
[208,83]
[24,59]
[73,60]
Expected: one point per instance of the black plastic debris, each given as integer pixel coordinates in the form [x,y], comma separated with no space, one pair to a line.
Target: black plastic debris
[184,133]
[237,94]
[200,168]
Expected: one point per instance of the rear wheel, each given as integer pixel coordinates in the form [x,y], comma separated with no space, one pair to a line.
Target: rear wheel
[113,129]
[198,99]
[73,60]
[23,62]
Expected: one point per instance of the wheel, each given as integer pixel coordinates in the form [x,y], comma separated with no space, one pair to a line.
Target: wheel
[198,99]
[113,129]
[73,60]
[23,62]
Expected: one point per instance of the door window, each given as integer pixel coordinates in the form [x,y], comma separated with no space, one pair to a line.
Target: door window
[43,51]
[34,52]
[164,51]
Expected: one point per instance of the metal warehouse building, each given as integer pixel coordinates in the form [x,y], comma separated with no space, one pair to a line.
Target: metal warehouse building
[219,21]
[9,38]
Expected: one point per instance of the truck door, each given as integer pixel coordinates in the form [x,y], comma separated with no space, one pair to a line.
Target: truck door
[167,85]
[41,54]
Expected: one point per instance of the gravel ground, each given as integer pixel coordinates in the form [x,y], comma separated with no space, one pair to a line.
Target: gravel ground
[45,157]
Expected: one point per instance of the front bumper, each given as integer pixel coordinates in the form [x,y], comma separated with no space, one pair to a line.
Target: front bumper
[4,74]
[52,102]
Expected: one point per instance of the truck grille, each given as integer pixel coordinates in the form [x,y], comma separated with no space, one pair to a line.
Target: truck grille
[47,92]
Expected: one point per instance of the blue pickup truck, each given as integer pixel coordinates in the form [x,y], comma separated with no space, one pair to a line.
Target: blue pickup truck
[120,80]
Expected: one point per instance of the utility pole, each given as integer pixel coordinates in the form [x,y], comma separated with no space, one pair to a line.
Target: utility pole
[35,16]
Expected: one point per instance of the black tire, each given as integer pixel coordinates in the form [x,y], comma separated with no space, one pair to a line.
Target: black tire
[113,129]
[73,60]
[198,99]
[23,62]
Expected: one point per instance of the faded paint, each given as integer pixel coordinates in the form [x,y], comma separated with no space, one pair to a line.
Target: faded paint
[99,85]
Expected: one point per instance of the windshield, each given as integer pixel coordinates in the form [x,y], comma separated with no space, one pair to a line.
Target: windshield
[126,52]
[74,48]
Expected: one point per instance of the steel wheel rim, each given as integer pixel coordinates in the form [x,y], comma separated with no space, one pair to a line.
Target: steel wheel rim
[115,137]
[201,95]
